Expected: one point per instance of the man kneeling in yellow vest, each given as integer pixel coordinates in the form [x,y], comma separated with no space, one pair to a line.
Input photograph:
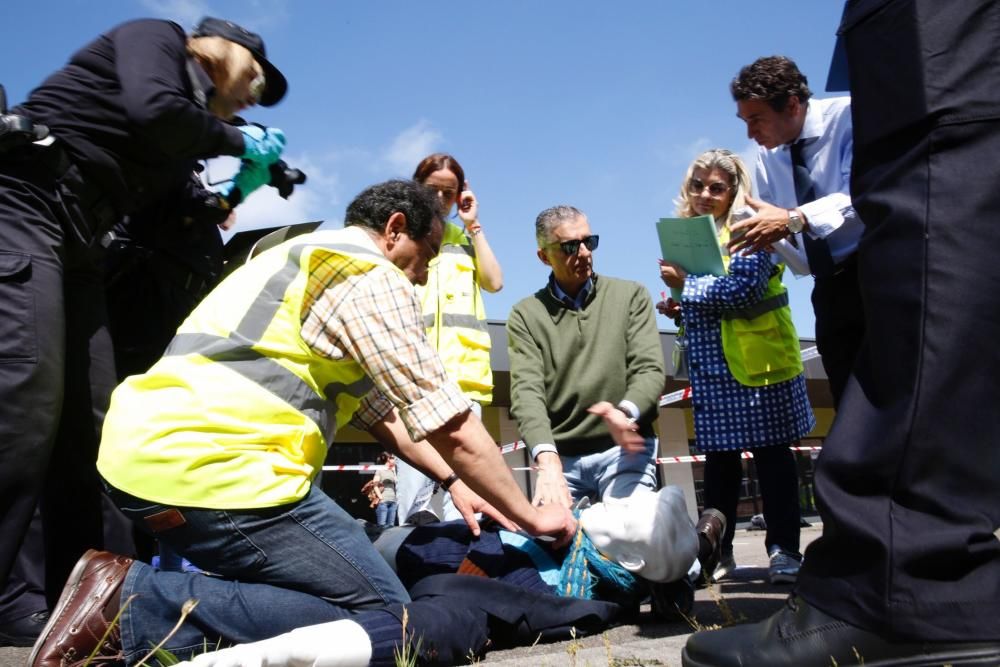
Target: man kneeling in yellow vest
[217,447]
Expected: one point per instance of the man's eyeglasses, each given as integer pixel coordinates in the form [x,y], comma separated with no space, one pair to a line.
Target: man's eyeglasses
[716,189]
[573,247]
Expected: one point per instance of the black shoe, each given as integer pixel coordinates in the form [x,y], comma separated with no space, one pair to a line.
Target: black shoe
[672,601]
[23,631]
[802,636]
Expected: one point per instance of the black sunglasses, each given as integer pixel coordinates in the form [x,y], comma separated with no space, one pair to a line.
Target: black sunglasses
[573,247]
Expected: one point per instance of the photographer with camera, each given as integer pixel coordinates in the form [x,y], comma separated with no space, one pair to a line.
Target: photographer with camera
[160,262]
[125,122]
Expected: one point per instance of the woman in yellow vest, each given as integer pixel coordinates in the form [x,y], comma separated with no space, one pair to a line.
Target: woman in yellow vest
[748,391]
[453,312]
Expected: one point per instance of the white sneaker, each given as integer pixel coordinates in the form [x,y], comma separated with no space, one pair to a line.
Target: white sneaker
[727,563]
[784,567]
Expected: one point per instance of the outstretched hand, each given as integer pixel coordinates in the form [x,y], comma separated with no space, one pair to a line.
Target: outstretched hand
[550,483]
[624,431]
[555,521]
[468,502]
[767,226]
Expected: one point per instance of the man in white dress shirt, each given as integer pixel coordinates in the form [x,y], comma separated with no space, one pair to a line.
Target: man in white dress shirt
[803,205]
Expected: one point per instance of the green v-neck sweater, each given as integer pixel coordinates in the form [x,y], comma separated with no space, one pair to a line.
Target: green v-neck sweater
[562,361]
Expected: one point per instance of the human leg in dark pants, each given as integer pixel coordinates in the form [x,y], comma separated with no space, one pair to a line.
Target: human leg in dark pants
[779,489]
[723,480]
[907,482]
[72,508]
[840,324]
[778,480]
[56,367]
[907,570]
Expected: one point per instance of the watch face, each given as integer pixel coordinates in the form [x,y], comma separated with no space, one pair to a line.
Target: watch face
[795,223]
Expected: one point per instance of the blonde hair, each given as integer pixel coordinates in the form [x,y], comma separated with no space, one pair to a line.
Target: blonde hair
[225,62]
[727,162]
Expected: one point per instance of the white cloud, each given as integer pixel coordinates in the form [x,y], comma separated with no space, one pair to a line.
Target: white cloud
[411,146]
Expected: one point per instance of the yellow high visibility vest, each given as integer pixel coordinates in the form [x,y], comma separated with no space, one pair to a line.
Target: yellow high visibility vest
[454,317]
[239,411]
[760,343]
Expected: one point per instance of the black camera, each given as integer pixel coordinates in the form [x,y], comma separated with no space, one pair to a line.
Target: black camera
[17,130]
[285,178]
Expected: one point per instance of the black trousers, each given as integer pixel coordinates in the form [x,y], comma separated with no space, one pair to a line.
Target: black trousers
[56,365]
[909,480]
[840,324]
[779,489]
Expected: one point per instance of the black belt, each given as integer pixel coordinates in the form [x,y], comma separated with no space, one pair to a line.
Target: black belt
[91,200]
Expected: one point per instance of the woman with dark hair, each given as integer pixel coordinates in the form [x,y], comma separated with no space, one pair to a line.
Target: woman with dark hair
[748,391]
[453,313]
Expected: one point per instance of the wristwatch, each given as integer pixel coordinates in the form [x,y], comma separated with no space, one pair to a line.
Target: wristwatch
[628,415]
[796,223]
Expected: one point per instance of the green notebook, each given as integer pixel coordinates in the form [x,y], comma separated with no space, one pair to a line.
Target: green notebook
[692,243]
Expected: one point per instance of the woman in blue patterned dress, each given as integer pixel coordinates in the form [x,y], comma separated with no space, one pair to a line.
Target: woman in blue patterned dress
[748,391]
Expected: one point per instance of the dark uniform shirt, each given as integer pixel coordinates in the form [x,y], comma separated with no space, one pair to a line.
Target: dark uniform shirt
[123,108]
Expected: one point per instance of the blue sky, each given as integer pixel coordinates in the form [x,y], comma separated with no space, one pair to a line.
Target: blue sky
[601,105]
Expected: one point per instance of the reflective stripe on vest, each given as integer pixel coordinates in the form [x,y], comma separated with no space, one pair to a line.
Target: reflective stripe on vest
[454,317]
[760,343]
[457,320]
[240,410]
[758,309]
[237,351]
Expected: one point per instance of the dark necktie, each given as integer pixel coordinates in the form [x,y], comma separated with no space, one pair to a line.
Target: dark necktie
[817,251]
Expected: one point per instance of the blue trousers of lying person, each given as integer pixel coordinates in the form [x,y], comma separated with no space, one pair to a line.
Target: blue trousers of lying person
[524,592]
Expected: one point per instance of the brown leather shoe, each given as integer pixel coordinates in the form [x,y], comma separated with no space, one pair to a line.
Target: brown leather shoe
[88,604]
[711,527]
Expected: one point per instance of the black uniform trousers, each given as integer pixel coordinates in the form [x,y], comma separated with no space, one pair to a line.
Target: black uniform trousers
[909,479]
[840,323]
[56,362]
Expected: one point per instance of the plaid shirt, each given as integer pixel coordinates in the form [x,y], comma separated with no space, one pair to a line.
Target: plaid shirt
[373,316]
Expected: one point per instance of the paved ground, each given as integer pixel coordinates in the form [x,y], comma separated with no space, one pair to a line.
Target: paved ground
[743,596]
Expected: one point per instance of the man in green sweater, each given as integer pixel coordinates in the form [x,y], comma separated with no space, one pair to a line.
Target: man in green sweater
[586,371]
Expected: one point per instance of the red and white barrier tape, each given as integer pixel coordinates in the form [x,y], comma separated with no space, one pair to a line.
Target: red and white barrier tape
[666,399]
[699,458]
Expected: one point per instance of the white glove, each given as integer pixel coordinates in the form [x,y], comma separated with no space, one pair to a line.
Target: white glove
[341,643]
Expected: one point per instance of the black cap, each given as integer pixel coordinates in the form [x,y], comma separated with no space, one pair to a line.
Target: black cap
[276,85]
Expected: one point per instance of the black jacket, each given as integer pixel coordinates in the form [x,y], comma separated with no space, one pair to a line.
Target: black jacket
[124,110]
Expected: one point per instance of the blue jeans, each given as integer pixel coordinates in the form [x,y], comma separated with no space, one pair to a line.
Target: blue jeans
[385,513]
[281,568]
[613,473]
